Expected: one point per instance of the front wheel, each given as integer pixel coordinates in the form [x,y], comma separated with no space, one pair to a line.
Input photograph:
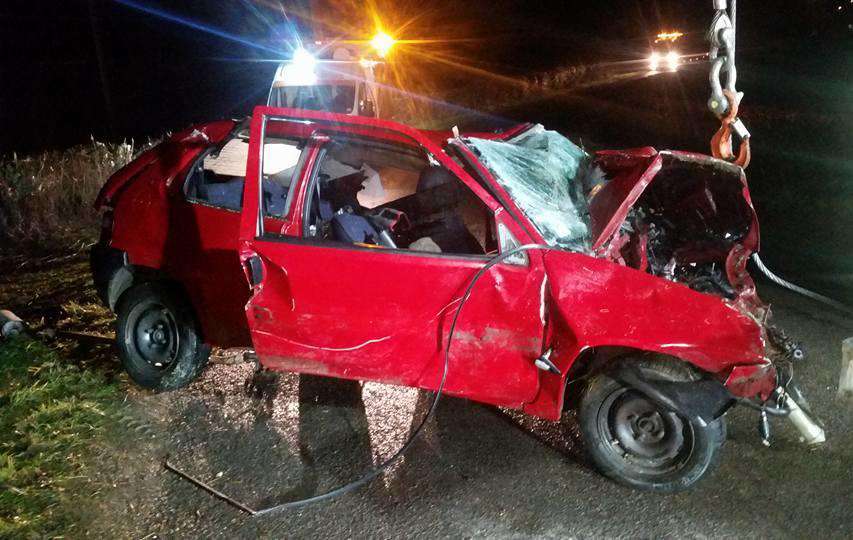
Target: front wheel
[158,337]
[636,442]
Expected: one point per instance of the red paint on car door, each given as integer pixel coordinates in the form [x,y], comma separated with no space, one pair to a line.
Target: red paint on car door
[384,315]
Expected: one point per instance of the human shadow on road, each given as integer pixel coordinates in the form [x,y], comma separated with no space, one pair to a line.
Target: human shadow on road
[334,439]
[466,440]
[245,439]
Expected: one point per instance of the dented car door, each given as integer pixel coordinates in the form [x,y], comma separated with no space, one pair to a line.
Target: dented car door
[378,313]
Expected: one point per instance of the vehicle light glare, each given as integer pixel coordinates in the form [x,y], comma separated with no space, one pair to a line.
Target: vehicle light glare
[654,61]
[304,59]
[672,60]
[382,43]
[300,70]
[669,36]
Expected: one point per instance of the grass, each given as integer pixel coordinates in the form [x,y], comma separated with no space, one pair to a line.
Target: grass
[47,198]
[53,413]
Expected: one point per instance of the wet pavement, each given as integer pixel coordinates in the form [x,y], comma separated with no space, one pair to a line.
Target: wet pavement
[478,471]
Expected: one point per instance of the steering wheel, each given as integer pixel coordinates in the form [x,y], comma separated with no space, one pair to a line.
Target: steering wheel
[393,220]
[391,225]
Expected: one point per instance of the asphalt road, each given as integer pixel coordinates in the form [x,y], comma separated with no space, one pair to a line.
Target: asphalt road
[478,471]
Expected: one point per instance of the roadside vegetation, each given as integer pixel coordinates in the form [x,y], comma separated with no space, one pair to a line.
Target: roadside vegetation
[58,395]
[53,414]
[46,199]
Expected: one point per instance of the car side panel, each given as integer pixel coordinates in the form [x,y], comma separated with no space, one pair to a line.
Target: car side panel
[201,254]
[142,212]
[384,315]
[193,244]
[598,303]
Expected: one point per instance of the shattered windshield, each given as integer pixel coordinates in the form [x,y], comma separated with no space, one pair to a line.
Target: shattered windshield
[541,171]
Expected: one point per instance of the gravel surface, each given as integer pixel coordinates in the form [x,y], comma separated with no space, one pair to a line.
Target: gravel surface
[478,471]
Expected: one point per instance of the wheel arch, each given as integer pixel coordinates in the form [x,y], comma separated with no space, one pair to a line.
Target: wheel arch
[130,275]
[608,358]
[695,393]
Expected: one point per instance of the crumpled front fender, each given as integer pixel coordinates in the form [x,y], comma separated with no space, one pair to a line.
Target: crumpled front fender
[596,303]
[603,304]
[606,304]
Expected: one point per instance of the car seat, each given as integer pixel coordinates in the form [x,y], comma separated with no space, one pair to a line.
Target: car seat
[352,228]
[438,195]
[275,198]
[225,194]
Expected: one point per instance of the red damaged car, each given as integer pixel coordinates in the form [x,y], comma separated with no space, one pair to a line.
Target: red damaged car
[342,246]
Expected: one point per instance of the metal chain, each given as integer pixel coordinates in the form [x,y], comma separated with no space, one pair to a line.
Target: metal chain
[725,99]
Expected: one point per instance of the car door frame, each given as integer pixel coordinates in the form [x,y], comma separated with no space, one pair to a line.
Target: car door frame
[252,227]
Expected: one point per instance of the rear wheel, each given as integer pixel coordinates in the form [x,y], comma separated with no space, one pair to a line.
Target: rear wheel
[158,337]
[637,442]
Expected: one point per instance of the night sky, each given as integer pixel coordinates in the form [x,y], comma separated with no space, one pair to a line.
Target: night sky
[75,68]
[121,69]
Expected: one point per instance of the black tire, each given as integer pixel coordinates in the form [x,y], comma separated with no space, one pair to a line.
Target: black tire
[638,443]
[158,337]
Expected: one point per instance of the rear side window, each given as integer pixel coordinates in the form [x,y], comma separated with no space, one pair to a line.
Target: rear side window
[218,176]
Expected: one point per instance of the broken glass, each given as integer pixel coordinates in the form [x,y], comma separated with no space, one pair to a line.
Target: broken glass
[541,170]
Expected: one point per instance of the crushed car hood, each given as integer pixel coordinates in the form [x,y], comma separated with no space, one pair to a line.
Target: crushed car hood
[680,216]
[630,172]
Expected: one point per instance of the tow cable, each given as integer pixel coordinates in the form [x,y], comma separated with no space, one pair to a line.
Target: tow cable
[382,467]
[724,103]
[797,289]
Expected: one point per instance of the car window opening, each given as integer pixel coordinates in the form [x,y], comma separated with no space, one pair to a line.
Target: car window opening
[379,195]
[217,178]
[544,173]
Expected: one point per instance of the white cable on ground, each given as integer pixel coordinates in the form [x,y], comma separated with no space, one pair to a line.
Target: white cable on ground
[797,289]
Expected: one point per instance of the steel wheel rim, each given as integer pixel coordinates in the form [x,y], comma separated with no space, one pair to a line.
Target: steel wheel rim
[636,430]
[156,337]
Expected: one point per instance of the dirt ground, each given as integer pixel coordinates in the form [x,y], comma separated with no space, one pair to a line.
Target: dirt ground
[478,471]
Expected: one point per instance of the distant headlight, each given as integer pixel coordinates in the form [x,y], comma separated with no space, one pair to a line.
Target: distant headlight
[382,43]
[672,60]
[654,61]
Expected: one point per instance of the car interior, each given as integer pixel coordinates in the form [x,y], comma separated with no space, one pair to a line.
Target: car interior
[379,194]
[217,179]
